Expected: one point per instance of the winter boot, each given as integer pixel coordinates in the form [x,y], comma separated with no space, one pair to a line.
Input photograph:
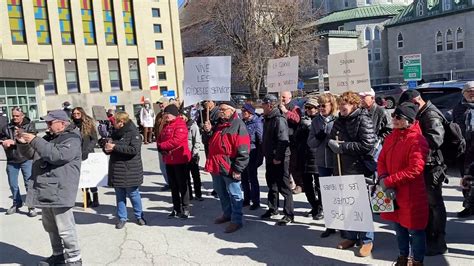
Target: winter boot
[95,199]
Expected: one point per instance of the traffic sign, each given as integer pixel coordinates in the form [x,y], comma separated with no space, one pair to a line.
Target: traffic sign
[412,84]
[300,85]
[113,99]
[169,94]
[412,70]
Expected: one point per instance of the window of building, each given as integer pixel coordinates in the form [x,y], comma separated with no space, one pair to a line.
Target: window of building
[315,55]
[159,45]
[19,94]
[128,22]
[377,34]
[419,8]
[155,12]
[400,62]
[369,54]
[65,21]
[17,23]
[114,74]
[368,34]
[160,60]
[71,76]
[346,3]
[134,74]
[50,83]
[400,40]
[447,5]
[163,88]
[157,28]
[368,2]
[161,75]
[109,22]
[88,22]
[94,75]
[378,54]
[41,21]
[459,39]
[449,40]
[439,41]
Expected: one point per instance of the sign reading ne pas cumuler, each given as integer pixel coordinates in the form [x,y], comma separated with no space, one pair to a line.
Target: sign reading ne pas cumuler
[282,74]
[346,203]
[206,78]
[349,71]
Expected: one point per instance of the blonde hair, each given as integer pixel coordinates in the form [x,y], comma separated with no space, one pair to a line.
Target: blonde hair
[329,98]
[122,117]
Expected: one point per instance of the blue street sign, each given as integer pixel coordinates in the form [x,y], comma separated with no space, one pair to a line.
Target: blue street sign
[169,94]
[300,85]
[412,84]
[113,99]
[165,93]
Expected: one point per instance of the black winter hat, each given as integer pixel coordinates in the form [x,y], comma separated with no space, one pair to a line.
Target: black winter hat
[407,110]
[172,109]
[229,103]
[408,95]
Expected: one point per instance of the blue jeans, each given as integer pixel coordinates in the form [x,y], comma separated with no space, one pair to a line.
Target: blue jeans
[134,195]
[364,237]
[163,168]
[13,170]
[324,171]
[415,238]
[230,195]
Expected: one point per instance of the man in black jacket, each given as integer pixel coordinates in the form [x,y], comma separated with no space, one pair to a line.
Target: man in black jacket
[19,157]
[277,157]
[380,118]
[431,123]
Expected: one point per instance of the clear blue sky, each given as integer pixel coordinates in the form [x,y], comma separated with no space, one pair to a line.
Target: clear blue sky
[180,2]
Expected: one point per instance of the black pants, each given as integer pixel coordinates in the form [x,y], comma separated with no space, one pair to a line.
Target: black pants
[278,181]
[295,168]
[178,175]
[312,190]
[193,167]
[250,184]
[436,228]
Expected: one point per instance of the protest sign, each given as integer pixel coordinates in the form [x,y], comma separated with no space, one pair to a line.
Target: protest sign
[98,112]
[282,74]
[346,203]
[206,78]
[94,171]
[349,71]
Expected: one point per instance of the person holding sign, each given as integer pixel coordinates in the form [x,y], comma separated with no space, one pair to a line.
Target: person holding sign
[352,139]
[400,167]
[229,146]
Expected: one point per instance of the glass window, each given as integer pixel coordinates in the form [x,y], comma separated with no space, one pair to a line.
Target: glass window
[160,60]
[400,40]
[157,28]
[368,2]
[19,94]
[17,24]
[400,62]
[439,41]
[71,76]
[368,34]
[161,75]
[114,73]
[377,33]
[41,21]
[419,8]
[459,39]
[449,40]
[65,21]
[155,12]
[447,5]
[163,88]
[159,45]
[50,83]
[93,73]
[128,22]
[377,54]
[369,53]
[134,74]
[88,22]
[109,22]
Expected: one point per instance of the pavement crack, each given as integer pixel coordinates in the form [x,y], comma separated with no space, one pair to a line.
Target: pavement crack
[120,248]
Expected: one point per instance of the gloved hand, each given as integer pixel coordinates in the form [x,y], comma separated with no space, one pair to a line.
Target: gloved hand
[335,146]
[390,193]
[381,183]
[438,178]
[195,158]
[321,135]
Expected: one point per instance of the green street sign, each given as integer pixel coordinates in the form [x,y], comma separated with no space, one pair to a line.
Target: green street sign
[412,67]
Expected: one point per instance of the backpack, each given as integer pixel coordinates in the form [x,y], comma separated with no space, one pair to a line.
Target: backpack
[454,144]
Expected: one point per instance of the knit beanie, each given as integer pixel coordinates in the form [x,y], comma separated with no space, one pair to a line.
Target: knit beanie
[407,110]
[172,109]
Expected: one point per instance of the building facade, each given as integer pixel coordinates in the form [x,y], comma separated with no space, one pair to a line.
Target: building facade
[329,6]
[441,31]
[95,49]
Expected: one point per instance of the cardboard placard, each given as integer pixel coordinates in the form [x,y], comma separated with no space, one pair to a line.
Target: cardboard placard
[94,171]
[282,74]
[98,112]
[349,71]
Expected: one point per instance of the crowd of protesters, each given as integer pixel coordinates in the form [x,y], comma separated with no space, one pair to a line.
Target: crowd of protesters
[348,134]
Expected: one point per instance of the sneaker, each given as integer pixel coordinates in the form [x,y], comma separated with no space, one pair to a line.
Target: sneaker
[254,207]
[185,214]
[120,224]
[319,215]
[141,222]
[466,213]
[165,188]
[221,219]
[232,228]
[285,220]
[328,232]
[365,250]
[345,244]
[32,212]
[174,214]
[13,209]
[53,260]
[269,214]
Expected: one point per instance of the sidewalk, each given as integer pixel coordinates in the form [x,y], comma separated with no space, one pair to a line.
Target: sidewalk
[198,241]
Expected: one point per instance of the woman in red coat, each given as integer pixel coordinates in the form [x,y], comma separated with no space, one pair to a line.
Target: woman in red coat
[400,168]
[172,143]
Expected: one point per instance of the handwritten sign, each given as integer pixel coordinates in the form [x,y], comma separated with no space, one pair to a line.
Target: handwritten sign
[346,203]
[94,171]
[282,74]
[206,78]
[98,112]
[349,71]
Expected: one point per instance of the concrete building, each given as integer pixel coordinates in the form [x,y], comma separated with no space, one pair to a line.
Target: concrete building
[441,31]
[93,50]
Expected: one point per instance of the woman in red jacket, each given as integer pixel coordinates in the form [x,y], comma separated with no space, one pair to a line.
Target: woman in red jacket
[172,143]
[400,168]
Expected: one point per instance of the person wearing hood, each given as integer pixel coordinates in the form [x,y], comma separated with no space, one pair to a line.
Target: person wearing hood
[86,125]
[54,184]
[463,115]
[126,168]
[147,119]
[19,157]
[250,184]
[400,170]
[194,144]
[172,143]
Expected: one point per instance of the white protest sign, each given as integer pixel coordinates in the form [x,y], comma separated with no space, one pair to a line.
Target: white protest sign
[346,203]
[282,74]
[206,78]
[94,171]
[349,71]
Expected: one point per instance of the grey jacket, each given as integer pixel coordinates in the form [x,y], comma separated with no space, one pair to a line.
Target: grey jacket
[56,171]
[194,138]
[318,139]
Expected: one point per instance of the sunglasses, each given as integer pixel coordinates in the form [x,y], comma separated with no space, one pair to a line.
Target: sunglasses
[309,107]
[322,106]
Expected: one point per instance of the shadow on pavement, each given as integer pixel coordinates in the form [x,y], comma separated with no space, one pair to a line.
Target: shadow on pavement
[10,254]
